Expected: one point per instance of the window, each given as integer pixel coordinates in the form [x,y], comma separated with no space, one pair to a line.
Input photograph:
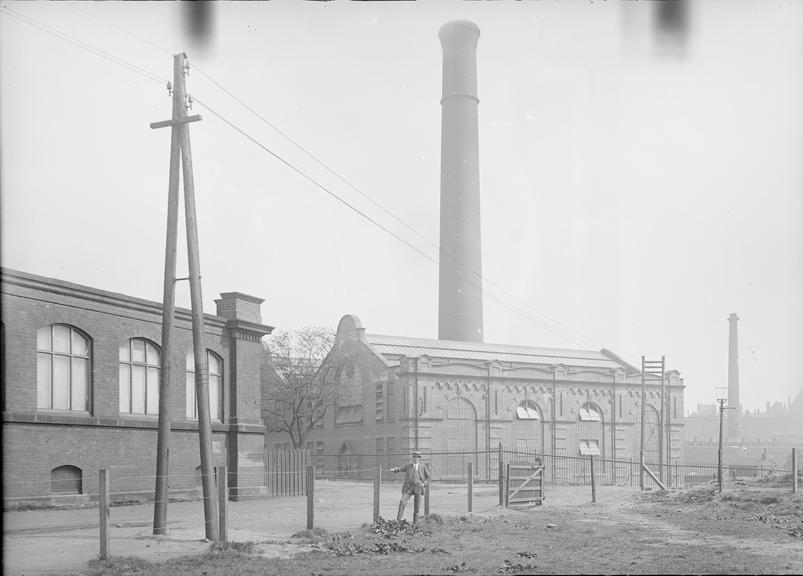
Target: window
[380,402]
[589,414]
[528,428]
[139,377]
[215,367]
[589,430]
[589,448]
[65,480]
[527,411]
[62,369]
[389,402]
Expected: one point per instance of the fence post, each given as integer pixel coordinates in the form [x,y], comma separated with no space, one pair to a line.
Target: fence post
[310,496]
[104,512]
[501,477]
[470,485]
[593,481]
[426,493]
[641,471]
[223,503]
[377,483]
[794,470]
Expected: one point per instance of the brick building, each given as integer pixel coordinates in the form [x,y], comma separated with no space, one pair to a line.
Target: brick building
[80,391]
[448,397]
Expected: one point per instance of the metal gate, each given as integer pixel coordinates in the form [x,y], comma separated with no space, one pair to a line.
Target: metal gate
[460,436]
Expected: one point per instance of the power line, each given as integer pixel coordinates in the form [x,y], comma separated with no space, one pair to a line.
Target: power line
[563,328]
[367,217]
[559,328]
[83,45]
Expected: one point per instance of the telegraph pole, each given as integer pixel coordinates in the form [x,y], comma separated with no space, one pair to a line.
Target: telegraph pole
[641,432]
[180,152]
[722,399]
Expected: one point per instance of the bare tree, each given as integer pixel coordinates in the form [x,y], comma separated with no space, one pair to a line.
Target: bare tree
[298,393]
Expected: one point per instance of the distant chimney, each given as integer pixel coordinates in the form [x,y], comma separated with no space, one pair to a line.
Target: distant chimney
[460,280]
[733,378]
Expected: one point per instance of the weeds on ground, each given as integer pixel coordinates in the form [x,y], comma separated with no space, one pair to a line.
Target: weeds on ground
[246,548]
[122,566]
[309,536]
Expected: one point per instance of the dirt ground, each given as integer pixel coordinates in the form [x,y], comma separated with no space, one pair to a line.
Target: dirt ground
[758,528]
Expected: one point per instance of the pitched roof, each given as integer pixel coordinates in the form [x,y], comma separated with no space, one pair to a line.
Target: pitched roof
[391,348]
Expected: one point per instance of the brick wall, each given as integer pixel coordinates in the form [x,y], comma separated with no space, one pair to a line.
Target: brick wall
[36,441]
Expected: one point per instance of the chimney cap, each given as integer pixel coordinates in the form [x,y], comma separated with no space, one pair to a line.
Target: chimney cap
[458,27]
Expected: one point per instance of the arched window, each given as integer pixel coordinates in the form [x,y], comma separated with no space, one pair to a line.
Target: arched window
[528,428]
[215,365]
[65,480]
[62,368]
[589,430]
[139,377]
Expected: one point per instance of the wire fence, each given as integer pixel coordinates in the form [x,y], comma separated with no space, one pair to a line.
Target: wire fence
[284,475]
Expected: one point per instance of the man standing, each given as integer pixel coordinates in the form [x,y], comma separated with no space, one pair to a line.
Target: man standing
[415,479]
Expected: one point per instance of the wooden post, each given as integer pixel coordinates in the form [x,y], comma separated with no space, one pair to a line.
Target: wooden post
[593,481]
[104,512]
[501,477]
[426,494]
[470,485]
[794,470]
[310,497]
[222,499]
[377,483]
[641,471]
[507,484]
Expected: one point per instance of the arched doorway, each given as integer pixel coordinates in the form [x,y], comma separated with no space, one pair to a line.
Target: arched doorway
[652,431]
[460,436]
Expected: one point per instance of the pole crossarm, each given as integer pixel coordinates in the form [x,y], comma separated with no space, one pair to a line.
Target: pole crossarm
[177,121]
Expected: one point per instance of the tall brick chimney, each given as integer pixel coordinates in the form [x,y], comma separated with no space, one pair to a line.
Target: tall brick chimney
[733,378]
[460,282]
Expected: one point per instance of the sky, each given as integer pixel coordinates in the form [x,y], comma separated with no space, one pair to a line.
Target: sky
[637,186]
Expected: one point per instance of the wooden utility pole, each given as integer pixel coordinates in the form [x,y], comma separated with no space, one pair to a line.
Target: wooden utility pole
[168,311]
[180,147]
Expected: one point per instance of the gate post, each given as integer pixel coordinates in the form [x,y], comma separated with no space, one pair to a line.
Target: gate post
[377,483]
[310,496]
[223,503]
[470,485]
[507,484]
[501,476]
[104,512]
[426,492]
[794,470]
[593,481]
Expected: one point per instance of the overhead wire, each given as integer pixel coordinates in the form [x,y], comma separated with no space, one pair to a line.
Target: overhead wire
[561,329]
[83,45]
[558,328]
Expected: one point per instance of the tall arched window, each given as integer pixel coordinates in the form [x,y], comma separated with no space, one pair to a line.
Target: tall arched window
[589,430]
[62,368]
[139,377]
[215,364]
[528,428]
